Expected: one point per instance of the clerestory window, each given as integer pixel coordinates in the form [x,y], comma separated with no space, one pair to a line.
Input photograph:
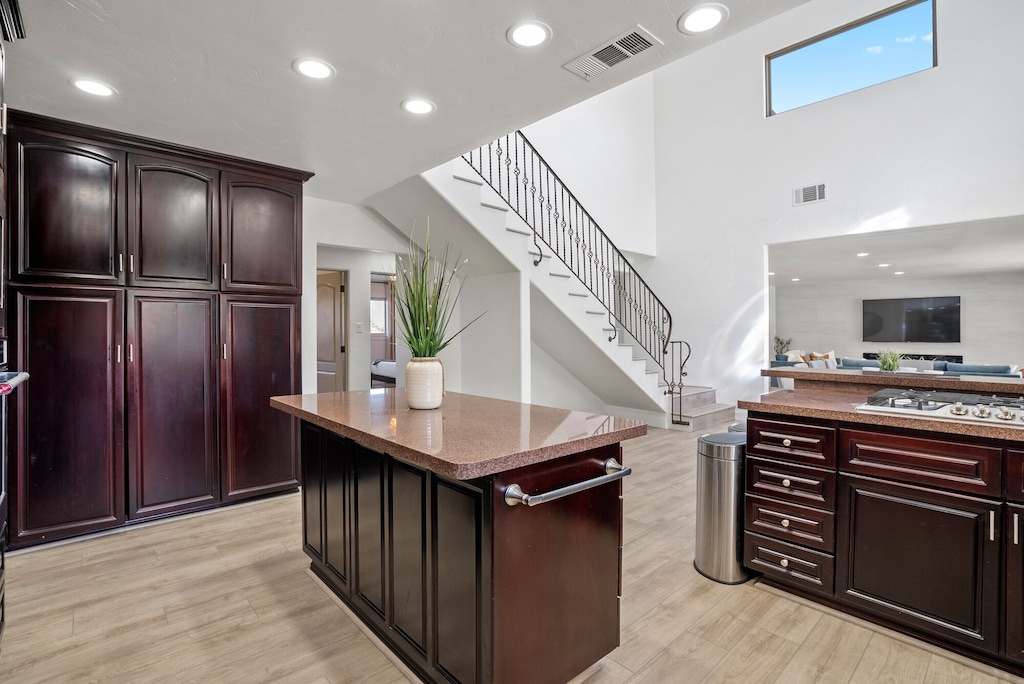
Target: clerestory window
[893,43]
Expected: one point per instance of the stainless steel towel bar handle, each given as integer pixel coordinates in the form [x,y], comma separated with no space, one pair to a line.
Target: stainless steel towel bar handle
[613,469]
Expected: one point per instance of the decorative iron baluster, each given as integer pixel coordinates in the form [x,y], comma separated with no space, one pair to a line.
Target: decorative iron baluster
[557,219]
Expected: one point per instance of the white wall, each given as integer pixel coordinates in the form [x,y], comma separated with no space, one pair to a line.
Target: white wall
[825,318]
[603,149]
[935,147]
[343,237]
[553,385]
[497,346]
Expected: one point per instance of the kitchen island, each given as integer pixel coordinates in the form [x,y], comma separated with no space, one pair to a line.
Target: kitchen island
[863,492]
[433,527]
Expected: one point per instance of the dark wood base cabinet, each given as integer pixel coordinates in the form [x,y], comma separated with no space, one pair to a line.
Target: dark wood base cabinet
[927,531]
[461,586]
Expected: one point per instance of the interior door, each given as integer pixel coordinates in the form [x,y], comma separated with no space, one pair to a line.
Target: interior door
[330,332]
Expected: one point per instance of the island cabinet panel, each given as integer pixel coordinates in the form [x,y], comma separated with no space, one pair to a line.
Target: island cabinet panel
[68,462]
[1014,608]
[426,552]
[922,558]
[173,449]
[1013,485]
[261,234]
[173,224]
[260,359]
[56,236]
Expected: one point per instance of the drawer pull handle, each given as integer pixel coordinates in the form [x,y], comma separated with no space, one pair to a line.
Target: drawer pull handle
[613,471]
[784,562]
[991,525]
[786,482]
[787,442]
[785,522]
[1016,529]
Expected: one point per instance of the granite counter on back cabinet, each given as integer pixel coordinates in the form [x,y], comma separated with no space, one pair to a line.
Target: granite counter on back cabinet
[409,518]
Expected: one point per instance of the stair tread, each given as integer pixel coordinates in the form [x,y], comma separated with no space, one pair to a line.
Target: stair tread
[578,294]
[704,410]
[520,231]
[558,274]
[693,389]
[468,177]
[494,204]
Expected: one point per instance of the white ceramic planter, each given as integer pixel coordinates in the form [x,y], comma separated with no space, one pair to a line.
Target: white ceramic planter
[424,382]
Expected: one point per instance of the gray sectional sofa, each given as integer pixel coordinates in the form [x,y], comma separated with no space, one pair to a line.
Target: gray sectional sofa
[945,367]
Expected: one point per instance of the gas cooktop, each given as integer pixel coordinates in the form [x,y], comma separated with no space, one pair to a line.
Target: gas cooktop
[952,406]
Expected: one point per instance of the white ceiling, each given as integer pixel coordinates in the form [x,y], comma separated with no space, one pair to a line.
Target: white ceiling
[216,74]
[957,249]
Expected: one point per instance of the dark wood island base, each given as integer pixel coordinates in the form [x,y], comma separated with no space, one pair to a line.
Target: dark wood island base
[460,584]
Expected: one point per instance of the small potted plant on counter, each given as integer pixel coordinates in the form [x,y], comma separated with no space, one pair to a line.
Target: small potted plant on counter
[428,288]
[889,360]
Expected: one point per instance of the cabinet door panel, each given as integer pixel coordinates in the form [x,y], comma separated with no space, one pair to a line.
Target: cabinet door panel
[797,484]
[792,442]
[921,557]
[1014,608]
[408,553]
[173,452]
[337,465]
[69,449]
[260,444]
[262,237]
[173,237]
[312,492]
[370,471]
[69,211]
[799,524]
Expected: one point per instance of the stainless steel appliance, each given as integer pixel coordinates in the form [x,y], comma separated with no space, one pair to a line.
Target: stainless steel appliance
[948,406]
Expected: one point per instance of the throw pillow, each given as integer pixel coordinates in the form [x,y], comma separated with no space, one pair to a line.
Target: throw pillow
[796,355]
[826,355]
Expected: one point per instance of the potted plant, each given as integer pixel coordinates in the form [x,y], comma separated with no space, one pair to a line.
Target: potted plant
[889,360]
[427,290]
[781,345]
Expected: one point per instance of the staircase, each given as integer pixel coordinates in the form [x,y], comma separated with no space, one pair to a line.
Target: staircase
[589,309]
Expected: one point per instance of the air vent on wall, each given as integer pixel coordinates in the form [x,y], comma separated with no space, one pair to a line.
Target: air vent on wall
[811,193]
[615,51]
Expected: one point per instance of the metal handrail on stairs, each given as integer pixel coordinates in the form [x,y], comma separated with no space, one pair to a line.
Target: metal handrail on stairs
[516,171]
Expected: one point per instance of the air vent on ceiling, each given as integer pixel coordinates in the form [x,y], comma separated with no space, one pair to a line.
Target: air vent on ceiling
[615,51]
[811,193]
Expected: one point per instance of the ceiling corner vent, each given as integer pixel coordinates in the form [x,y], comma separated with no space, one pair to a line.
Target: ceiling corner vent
[809,194]
[613,52]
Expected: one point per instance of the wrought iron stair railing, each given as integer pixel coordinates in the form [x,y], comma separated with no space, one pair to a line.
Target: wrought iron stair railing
[516,171]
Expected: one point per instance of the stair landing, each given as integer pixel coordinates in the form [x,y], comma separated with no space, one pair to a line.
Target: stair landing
[696,408]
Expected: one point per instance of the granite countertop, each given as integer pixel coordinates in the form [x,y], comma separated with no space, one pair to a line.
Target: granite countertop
[964,383]
[468,437]
[838,404]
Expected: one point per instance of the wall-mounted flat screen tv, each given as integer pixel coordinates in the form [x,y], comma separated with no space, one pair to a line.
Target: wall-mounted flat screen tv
[917,319]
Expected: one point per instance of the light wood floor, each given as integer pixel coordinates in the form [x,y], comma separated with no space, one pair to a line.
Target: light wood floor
[224,597]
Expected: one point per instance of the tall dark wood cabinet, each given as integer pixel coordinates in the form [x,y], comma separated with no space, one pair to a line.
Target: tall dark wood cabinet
[260,350]
[194,251]
[68,452]
[173,409]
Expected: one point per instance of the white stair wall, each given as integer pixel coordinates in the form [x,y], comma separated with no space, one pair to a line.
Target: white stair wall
[566,320]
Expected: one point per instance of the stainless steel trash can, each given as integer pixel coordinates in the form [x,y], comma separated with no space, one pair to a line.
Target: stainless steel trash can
[719,550]
[738,427]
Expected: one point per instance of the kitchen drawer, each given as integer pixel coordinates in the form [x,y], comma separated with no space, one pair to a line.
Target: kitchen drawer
[790,482]
[795,565]
[1014,481]
[809,444]
[968,468]
[799,524]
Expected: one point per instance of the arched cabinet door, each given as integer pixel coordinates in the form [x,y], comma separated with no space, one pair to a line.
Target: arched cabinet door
[261,237]
[173,224]
[68,210]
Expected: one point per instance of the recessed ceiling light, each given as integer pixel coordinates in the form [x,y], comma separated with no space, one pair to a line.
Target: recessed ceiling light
[418,106]
[771,272]
[863,254]
[883,265]
[94,87]
[796,280]
[899,273]
[702,18]
[528,34]
[314,68]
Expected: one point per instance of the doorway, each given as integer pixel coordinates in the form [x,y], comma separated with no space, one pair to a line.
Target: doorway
[382,330]
[331,359]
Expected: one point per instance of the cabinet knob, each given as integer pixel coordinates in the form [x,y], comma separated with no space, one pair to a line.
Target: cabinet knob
[787,442]
[785,522]
[786,482]
[784,562]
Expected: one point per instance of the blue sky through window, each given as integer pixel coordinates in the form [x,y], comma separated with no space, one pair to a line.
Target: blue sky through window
[881,50]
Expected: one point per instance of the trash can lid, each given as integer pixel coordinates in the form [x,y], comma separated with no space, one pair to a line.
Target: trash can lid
[726,446]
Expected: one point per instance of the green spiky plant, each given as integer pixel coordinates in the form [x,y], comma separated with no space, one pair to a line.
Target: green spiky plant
[889,360]
[428,288]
